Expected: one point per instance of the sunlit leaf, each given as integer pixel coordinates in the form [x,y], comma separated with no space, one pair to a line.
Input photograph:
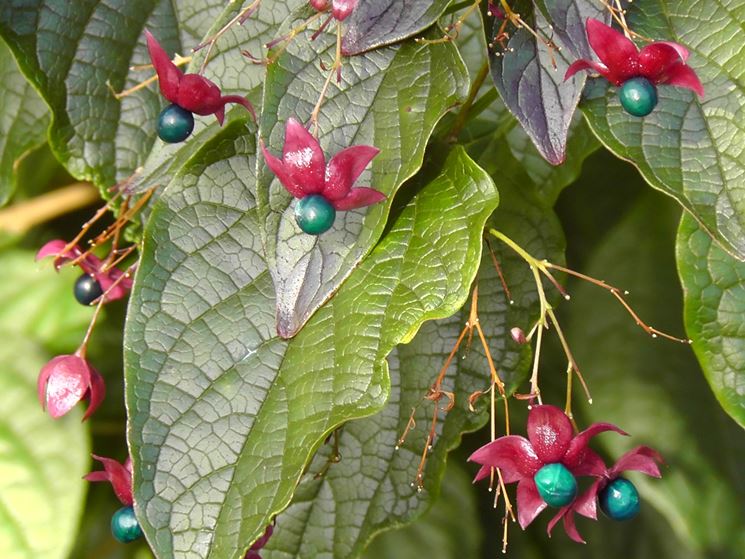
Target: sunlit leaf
[690,149]
[224,413]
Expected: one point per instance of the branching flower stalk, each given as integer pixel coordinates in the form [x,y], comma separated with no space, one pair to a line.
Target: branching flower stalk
[285,40]
[335,69]
[178,60]
[452,30]
[240,18]
[436,394]
[547,318]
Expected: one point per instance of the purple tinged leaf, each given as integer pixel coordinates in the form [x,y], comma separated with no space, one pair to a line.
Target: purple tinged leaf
[534,90]
[375,23]
[568,19]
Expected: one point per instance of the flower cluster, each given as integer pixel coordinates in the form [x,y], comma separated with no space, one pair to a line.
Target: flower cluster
[635,71]
[68,379]
[323,188]
[189,93]
[124,524]
[545,466]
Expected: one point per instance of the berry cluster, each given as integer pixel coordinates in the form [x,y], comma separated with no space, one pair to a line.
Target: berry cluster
[548,462]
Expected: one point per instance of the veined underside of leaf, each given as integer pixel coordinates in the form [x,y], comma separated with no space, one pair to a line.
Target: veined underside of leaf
[529,74]
[690,149]
[225,414]
[390,98]
[714,286]
[375,23]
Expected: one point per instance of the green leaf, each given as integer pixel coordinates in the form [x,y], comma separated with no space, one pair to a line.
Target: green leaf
[371,488]
[73,52]
[714,287]
[228,67]
[224,415]
[690,149]
[390,98]
[23,121]
[38,303]
[653,388]
[42,461]
[377,23]
[449,530]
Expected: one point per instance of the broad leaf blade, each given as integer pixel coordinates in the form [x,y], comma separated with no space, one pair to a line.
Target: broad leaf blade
[375,23]
[714,286]
[568,19]
[371,489]
[224,414]
[449,530]
[530,80]
[390,98]
[23,121]
[70,56]
[689,149]
[41,464]
[76,53]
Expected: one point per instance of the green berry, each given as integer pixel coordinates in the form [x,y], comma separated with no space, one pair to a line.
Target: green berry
[638,96]
[87,290]
[124,525]
[620,499]
[314,214]
[175,124]
[556,485]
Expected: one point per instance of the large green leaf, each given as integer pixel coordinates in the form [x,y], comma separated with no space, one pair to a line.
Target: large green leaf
[72,51]
[390,98]
[653,388]
[371,488]
[225,414]
[690,149]
[23,120]
[42,461]
[714,286]
[450,530]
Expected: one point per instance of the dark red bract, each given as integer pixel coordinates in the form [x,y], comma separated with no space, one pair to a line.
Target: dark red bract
[661,62]
[111,279]
[550,440]
[303,170]
[253,552]
[119,475]
[192,92]
[67,380]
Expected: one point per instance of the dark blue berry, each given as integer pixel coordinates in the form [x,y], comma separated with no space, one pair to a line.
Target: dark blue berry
[87,290]
[620,499]
[175,124]
[638,96]
[314,214]
[124,525]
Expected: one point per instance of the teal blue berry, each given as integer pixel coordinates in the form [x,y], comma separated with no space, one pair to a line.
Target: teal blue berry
[314,214]
[620,499]
[556,485]
[175,124]
[638,96]
[124,525]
